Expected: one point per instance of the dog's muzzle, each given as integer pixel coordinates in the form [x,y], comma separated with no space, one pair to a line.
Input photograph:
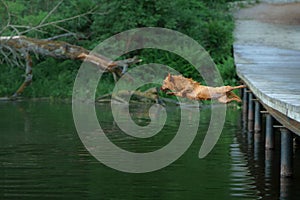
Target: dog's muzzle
[163,89]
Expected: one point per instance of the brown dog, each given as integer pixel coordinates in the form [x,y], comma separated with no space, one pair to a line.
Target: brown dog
[188,88]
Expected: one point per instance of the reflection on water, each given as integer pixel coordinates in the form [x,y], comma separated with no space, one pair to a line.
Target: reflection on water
[42,157]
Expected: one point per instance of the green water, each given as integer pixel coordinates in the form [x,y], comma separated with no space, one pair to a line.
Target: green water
[42,157]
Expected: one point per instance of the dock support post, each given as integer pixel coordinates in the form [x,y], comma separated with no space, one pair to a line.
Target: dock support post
[296,142]
[286,153]
[285,184]
[257,118]
[257,145]
[245,105]
[269,160]
[250,112]
[269,132]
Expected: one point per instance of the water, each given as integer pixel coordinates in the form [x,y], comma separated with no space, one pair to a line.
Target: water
[42,157]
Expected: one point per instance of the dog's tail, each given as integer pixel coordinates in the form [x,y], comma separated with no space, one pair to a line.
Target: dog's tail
[238,87]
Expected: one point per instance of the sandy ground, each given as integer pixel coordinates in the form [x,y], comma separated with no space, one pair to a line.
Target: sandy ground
[275,25]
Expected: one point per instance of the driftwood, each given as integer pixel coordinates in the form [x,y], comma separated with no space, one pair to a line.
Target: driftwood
[188,88]
[17,47]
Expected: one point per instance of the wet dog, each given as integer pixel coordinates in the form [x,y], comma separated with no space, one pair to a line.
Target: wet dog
[188,88]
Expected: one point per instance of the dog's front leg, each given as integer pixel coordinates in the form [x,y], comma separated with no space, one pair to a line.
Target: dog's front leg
[179,94]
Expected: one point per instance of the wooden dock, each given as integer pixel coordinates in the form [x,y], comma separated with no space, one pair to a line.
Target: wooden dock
[267,58]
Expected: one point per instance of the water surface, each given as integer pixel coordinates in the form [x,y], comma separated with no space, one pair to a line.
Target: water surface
[42,157]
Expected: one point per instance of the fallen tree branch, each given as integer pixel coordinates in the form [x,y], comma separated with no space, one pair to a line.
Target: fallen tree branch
[22,45]
[61,50]
[28,77]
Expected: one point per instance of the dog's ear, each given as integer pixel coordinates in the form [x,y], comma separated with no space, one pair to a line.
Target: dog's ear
[170,77]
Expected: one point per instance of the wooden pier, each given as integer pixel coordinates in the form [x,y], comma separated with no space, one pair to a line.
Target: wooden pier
[267,59]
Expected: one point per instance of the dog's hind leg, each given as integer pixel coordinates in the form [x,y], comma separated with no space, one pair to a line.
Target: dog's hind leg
[232,95]
[223,99]
[226,99]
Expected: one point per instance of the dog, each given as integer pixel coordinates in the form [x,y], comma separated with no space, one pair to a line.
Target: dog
[188,88]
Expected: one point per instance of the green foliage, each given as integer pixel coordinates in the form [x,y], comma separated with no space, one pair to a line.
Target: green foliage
[211,25]
[227,71]
[171,60]
[10,79]
[207,21]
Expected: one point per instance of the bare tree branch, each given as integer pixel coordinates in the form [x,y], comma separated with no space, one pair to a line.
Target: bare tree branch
[61,35]
[28,76]
[50,13]
[57,22]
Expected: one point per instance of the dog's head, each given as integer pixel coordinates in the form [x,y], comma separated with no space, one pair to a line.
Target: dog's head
[168,83]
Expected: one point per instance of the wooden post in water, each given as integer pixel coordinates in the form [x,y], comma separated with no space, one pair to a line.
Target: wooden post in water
[250,112]
[269,159]
[269,132]
[245,105]
[257,144]
[286,153]
[257,117]
[285,185]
